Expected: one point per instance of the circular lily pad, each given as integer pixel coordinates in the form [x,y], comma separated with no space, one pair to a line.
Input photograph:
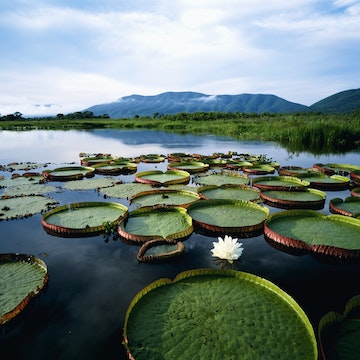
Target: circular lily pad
[22,277]
[355,177]
[95,160]
[115,168]
[339,335]
[155,223]
[260,169]
[217,314]
[307,199]
[24,206]
[355,192]
[158,177]
[348,207]
[296,170]
[331,235]
[69,173]
[222,178]
[282,183]
[159,250]
[189,166]
[238,165]
[152,158]
[325,182]
[229,191]
[165,197]
[225,216]
[82,219]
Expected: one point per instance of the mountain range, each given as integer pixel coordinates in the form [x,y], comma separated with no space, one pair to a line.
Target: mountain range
[187,101]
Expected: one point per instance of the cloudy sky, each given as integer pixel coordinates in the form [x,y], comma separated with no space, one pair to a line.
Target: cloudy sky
[60,56]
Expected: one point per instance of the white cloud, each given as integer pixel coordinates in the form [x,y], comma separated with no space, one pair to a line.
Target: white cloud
[76,56]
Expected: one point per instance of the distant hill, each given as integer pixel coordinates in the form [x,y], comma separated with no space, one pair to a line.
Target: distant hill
[176,102]
[341,102]
[187,101]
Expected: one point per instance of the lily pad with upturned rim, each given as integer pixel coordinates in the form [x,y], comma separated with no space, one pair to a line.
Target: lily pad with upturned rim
[282,183]
[116,168]
[69,173]
[325,182]
[355,192]
[225,216]
[221,178]
[348,207]
[336,236]
[189,166]
[307,199]
[229,191]
[155,223]
[158,177]
[339,335]
[217,314]
[260,169]
[160,250]
[167,197]
[355,177]
[22,277]
[82,219]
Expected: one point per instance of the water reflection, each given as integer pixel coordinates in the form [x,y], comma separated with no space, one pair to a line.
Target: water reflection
[92,281]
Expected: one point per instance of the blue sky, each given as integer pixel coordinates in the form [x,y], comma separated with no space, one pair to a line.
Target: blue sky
[60,56]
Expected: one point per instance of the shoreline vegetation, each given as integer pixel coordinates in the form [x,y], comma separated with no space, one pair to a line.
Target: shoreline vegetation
[310,132]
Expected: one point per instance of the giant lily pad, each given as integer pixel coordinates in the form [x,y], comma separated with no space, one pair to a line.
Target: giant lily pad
[282,183]
[307,199]
[95,160]
[339,335]
[225,216]
[82,219]
[165,197]
[189,166]
[331,235]
[90,184]
[325,182]
[221,178]
[152,223]
[22,277]
[115,168]
[159,250]
[125,191]
[229,191]
[355,192]
[348,207]
[158,177]
[260,169]
[217,314]
[69,173]
[355,177]
[24,206]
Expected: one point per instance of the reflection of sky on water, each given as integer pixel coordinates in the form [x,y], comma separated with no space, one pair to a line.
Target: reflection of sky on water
[91,281]
[58,146]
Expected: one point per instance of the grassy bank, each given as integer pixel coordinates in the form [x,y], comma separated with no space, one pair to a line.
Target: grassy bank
[316,133]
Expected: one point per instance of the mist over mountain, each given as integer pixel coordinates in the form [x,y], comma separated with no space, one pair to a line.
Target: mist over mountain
[176,102]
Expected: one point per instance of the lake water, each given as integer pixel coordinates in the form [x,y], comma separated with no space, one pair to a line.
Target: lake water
[92,280]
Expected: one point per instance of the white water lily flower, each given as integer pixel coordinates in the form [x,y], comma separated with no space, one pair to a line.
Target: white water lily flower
[227,248]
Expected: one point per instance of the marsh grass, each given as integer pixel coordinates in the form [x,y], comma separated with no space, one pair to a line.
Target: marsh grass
[312,132]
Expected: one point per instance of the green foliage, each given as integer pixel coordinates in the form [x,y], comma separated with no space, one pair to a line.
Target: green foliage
[313,132]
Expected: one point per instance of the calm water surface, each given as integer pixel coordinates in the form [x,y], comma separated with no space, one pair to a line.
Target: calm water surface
[92,280]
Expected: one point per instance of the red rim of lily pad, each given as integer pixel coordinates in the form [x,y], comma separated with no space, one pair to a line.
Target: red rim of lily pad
[76,173]
[58,230]
[345,207]
[355,192]
[142,257]
[355,177]
[155,217]
[285,202]
[325,182]
[281,183]
[167,194]
[14,257]
[291,217]
[252,227]
[175,177]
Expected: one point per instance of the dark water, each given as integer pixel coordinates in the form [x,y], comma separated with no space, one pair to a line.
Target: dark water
[92,280]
